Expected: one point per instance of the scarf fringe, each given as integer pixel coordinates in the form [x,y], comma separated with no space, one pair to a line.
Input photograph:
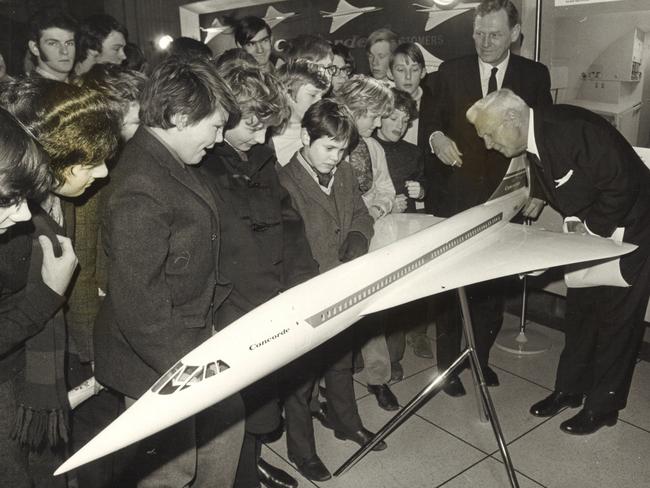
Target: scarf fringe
[33,428]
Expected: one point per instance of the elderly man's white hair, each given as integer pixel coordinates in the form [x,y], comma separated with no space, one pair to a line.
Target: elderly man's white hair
[497,104]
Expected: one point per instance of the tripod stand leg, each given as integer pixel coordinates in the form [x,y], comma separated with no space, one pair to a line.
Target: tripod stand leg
[488,406]
[403,415]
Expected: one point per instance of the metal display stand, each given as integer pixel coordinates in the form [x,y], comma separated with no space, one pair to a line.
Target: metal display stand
[486,407]
[520,341]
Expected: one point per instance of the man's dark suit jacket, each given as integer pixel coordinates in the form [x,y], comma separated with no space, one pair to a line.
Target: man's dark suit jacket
[605,183]
[160,230]
[458,87]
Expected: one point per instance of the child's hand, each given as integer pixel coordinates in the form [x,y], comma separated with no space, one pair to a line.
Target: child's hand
[400,203]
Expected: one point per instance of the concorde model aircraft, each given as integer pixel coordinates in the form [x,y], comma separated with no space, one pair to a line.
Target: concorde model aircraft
[476,245]
[344,13]
[438,15]
[273,17]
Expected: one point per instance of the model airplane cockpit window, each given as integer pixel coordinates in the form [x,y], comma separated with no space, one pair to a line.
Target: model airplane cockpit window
[180,376]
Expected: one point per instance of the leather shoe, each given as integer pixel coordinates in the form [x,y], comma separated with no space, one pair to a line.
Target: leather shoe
[588,422]
[454,387]
[312,469]
[362,437]
[274,477]
[396,371]
[421,346]
[321,415]
[385,398]
[490,377]
[555,402]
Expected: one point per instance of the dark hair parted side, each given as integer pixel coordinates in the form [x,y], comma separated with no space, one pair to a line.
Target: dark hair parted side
[93,31]
[307,46]
[258,93]
[299,72]
[121,86]
[190,87]
[48,18]
[411,51]
[247,27]
[489,6]
[24,168]
[328,118]
[404,102]
[74,125]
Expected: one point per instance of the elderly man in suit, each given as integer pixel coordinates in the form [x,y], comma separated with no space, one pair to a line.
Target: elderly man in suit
[160,230]
[590,173]
[465,173]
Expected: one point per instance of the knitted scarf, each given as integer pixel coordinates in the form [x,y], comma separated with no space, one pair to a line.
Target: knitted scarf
[41,395]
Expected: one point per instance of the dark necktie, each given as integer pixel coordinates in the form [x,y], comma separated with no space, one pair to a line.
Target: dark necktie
[362,166]
[492,84]
[323,178]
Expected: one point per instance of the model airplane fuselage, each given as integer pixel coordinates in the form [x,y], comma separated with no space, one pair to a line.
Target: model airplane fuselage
[300,319]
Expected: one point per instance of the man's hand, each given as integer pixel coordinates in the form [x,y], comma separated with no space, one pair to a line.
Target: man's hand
[354,245]
[414,189]
[400,204]
[57,271]
[533,208]
[446,149]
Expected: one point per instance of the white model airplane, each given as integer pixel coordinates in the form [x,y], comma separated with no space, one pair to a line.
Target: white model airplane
[214,30]
[431,62]
[345,13]
[273,17]
[439,15]
[473,246]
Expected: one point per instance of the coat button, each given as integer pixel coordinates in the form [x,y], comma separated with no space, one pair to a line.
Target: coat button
[213,236]
[337,231]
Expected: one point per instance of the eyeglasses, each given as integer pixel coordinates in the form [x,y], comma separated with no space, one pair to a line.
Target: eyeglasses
[334,70]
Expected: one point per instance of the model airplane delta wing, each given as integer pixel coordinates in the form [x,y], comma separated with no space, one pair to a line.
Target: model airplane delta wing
[438,15]
[473,246]
[345,13]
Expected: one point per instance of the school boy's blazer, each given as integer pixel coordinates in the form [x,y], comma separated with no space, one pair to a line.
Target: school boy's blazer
[160,230]
[328,219]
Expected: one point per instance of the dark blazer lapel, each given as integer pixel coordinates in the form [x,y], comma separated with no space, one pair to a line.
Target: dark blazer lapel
[178,170]
[512,76]
[473,79]
[305,181]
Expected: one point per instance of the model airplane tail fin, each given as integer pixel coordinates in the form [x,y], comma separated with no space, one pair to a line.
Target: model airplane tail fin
[517,178]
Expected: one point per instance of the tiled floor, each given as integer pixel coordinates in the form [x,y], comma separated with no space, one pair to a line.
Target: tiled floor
[446,445]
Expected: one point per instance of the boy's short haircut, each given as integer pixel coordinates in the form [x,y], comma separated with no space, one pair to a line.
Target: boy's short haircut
[299,72]
[362,94]
[383,34]
[93,31]
[75,125]
[236,56]
[307,46]
[328,118]
[186,47]
[411,51]
[24,168]
[119,85]
[190,87]
[343,51]
[258,93]
[48,18]
[404,102]
[247,27]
